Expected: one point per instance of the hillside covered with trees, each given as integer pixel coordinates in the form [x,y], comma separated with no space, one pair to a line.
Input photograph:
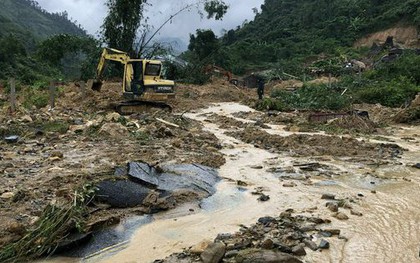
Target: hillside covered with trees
[292,30]
[26,20]
[306,39]
[33,42]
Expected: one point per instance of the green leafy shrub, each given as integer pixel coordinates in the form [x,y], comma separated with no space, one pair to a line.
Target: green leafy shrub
[55,126]
[316,97]
[37,99]
[394,93]
[270,104]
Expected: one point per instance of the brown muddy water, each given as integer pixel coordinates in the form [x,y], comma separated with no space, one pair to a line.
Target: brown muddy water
[388,231]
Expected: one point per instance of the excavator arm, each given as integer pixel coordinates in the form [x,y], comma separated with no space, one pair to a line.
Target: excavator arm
[107,54]
[113,55]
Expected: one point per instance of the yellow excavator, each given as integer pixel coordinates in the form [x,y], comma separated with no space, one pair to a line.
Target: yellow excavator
[142,86]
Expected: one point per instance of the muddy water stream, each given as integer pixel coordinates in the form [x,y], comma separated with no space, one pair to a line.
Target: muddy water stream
[388,231]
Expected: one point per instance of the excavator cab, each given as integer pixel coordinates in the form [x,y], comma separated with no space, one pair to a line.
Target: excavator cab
[137,83]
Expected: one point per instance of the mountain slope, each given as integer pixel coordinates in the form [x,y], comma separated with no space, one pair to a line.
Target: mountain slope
[25,18]
[292,29]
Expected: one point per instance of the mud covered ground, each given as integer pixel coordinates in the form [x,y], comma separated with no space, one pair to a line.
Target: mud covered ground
[82,140]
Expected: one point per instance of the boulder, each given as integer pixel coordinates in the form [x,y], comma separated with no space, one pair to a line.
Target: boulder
[341,216]
[114,130]
[200,247]
[213,253]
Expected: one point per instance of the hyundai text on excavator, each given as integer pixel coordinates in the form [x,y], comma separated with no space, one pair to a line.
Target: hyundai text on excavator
[142,86]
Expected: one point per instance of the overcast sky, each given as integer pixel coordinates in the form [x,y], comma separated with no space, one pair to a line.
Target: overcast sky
[90,14]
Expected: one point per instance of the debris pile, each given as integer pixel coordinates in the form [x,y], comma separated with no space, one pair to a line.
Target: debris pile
[285,238]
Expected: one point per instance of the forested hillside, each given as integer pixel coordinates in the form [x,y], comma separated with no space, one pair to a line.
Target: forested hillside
[26,19]
[36,46]
[289,29]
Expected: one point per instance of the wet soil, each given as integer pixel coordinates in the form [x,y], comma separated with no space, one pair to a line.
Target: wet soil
[265,167]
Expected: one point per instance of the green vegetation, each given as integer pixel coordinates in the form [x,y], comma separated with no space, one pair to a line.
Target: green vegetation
[312,97]
[289,31]
[30,23]
[55,126]
[53,226]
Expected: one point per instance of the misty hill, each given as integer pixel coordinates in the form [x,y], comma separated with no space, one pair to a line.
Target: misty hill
[287,30]
[26,20]
[175,44]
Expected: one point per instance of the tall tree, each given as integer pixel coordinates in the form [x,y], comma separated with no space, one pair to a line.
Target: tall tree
[121,24]
[204,44]
[125,17]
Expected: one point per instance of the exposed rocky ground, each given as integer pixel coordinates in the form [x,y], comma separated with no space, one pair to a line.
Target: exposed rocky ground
[272,239]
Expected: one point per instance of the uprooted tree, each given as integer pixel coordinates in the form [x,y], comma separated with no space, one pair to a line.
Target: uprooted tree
[126,23]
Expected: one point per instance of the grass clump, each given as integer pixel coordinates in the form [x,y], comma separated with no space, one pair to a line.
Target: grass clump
[55,126]
[51,229]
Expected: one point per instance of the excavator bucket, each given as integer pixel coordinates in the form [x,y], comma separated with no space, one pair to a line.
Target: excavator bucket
[94,84]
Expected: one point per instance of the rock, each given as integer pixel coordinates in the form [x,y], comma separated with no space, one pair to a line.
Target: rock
[114,130]
[289,184]
[213,253]
[223,236]
[356,213]
[54,159]
[334,232]
[316,220]
[341,216]
[231,254]
[285,214]
[114,116]
[12,139]
[257,167]
[266,220]
[328,196]
[56,154]
[324,244]
[417,165]
[143,173]
[265,256]
[373,191]
[200,247]
[7,195]
[299,250]
[332,206]
[310,244]
[77,128]
[263,198]
[282,247]
[267,244]
[241,183]
[26,118]
[343,238]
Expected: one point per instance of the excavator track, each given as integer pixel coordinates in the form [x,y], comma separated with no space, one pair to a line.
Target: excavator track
[133,107]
